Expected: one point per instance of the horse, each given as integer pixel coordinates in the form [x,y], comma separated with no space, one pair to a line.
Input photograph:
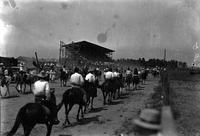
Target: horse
[24,79]
[63,78]
[136,80]
[128,80]
[91,90]
[72,96]
[4,82]
[35,113]
[144,75]
[118,84]
[108,90]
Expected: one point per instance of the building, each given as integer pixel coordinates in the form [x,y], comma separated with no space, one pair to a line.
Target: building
[8,61]
[83,52]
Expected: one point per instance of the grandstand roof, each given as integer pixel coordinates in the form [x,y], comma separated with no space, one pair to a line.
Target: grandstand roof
[91,46]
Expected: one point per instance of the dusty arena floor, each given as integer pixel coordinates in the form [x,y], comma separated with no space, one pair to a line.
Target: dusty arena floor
[113,119]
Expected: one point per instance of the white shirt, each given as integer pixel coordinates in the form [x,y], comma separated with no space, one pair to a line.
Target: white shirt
[128,72]
[5,72]
[41,88]
[115,74]
[109,75]
[90,78]
[77,79]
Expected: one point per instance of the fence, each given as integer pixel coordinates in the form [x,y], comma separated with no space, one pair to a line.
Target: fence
[167,120]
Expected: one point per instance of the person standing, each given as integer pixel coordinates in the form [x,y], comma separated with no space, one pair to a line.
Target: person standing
[148,123]
[136,79]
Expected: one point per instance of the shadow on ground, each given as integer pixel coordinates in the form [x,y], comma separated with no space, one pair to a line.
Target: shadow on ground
[94,110]
[116,102]
[84,121]
[8,97]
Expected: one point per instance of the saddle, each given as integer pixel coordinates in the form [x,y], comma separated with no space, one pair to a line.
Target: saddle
[44,103]
[47,110]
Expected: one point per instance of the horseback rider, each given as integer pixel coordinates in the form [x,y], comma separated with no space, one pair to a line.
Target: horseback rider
[136,79]
[108,76]
[41,91]
[76,79]
[116,74]
[128,72]
[91,79]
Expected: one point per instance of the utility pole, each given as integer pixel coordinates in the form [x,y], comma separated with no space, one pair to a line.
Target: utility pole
[38,65]
[164,54]
[60,52]
[164,59]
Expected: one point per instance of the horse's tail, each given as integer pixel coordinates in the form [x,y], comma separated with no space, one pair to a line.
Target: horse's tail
[59,106]
[17,123]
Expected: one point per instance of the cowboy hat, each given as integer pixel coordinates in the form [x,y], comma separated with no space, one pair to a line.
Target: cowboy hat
[149,119]
[42,74]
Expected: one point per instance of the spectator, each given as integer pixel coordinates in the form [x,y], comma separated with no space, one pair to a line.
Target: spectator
[148,123]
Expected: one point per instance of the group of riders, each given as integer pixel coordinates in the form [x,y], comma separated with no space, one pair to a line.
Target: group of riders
[86,81]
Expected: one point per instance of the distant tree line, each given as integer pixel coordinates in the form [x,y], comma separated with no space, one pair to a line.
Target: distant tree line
[153,62]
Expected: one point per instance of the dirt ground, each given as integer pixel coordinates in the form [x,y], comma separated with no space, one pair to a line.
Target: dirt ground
[113,119]
[186,105]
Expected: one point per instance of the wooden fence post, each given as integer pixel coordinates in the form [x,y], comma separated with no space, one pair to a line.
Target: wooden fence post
[167,122]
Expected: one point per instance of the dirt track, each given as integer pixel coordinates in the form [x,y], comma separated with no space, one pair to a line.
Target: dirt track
[110,119]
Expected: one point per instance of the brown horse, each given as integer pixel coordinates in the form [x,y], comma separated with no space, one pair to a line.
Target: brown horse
[23,79]
[91,90]
[72,96]
[35,113]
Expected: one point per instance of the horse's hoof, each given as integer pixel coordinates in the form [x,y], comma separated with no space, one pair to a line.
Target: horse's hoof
[64,125]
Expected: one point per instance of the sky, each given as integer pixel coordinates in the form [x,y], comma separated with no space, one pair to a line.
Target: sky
[133,28]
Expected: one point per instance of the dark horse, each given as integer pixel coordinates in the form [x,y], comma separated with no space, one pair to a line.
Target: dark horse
[118,84]
[108,89]
[35,113]
[91,90]
[24,79]
[128,80]
[72,96]
[63,77]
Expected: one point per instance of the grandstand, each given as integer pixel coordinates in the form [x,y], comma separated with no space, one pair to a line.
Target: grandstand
[83,52]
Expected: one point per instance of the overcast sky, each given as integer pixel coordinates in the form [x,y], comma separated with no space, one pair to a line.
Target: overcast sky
[133,28]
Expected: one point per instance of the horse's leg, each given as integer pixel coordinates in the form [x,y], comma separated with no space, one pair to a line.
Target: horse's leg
[87,103]
[17,88]
[20,87]
[30,86]
[82,113]
[27,129]
[104,97]
[49,128]
[65,82]
[61,82]
[8,89]
[77,117]
[24,88]
[92,103]
[67,110]
[109,97]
